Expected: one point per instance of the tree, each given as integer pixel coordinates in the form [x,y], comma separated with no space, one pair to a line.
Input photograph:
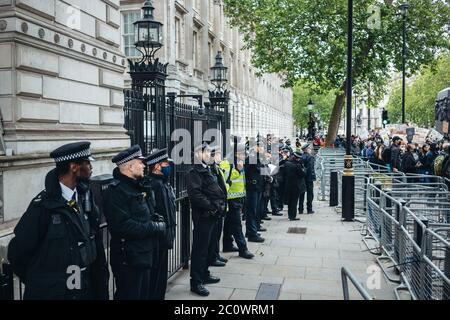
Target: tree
[323,104]
[306,40]
[421,94]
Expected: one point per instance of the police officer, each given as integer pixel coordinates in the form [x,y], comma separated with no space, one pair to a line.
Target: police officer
[208,201]
[214,258]
[308,161]
[284,157]
[160,167]
[57,251]
[294,177]
[235,178]
[134,226]
[254,187]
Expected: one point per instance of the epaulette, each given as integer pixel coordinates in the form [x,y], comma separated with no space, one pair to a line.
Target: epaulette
[37,200]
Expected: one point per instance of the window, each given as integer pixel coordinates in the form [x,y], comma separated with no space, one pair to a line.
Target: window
[195,49]
[128,17]
[177,38]
[211,54]
[231,68]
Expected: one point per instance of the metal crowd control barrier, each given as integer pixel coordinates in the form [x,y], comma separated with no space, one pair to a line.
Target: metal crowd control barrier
[425,270]
[333,164]
[346,274]
[362,175]
[410,223]
[327,153]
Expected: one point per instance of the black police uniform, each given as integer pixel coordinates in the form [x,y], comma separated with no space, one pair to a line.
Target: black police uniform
[214,250]
[165,206]
[308,161]
[294,177]
[254,184]
[57,250]
[208,201]
[281,183]
[134,227]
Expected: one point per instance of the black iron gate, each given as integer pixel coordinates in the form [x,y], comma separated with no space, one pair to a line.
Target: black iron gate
[141,122]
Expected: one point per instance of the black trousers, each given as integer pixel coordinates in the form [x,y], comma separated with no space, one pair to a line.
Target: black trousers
[131,283]
[292,203]
[201,239]
[274,200]
[158,276]
[309,197]
[233,225]
[265,205]
[280,196]
[253,208]
[213,252]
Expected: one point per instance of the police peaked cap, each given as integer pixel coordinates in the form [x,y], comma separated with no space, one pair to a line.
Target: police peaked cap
[297,154]
[158,155]
[127,155]
[72,152]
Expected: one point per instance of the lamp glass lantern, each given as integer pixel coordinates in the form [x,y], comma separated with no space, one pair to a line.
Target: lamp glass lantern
[148,33]
[219,73]
[404,8]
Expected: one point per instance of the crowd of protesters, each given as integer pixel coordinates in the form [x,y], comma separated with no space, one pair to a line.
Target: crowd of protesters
[429,158]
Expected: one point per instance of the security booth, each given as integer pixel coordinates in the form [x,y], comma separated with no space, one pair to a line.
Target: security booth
[442,112]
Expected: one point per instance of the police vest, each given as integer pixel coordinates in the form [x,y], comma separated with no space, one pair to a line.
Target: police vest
[235,179]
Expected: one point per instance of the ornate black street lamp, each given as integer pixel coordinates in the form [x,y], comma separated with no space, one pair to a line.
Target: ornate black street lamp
[148,77]
[148,33]
[403,11]
[311,123]
[220,96]
[348,179]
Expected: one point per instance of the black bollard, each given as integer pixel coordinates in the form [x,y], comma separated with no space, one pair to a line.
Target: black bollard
[348,197]
[334,192]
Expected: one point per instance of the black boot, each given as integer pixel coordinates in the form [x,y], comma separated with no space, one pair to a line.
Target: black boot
[200,290]
[246,254]
[230,249]
[211,279]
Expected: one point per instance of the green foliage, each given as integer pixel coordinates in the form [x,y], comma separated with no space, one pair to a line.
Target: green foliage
[306,41]
[421,94]
[323,104]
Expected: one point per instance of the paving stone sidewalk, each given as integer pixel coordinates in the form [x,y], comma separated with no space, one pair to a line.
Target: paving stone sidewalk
[307,266]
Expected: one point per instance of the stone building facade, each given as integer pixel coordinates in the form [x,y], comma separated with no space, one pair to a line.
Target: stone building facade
[63,70]
[194,31]
[61,80]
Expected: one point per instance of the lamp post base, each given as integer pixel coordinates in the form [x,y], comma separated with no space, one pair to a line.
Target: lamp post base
[348,190]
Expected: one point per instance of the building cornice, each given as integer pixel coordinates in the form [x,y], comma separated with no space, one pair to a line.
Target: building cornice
[181,8]
[198,22]
[59,39]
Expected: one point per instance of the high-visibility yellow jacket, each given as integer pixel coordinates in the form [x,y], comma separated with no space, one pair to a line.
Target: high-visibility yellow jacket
[236,189]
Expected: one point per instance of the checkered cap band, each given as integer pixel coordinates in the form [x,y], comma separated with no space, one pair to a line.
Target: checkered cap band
[78,155]
[158,159]
[130,157]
